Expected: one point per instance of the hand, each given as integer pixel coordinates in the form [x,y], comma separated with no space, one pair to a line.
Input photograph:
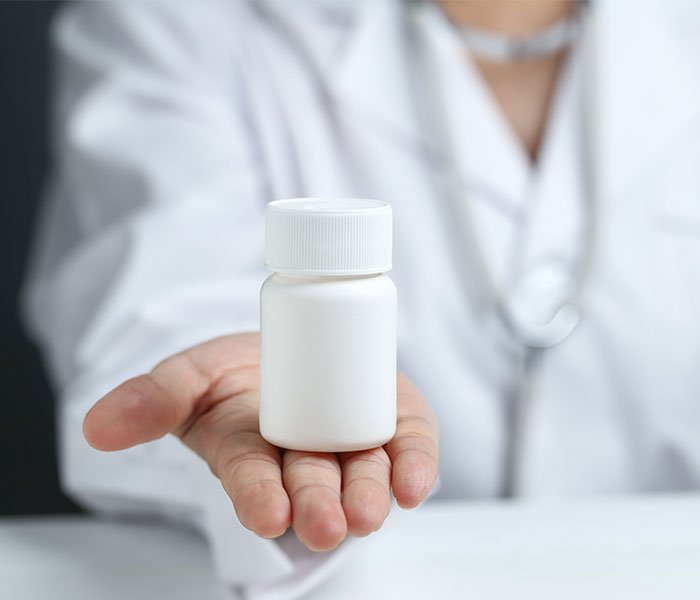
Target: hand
[208,397]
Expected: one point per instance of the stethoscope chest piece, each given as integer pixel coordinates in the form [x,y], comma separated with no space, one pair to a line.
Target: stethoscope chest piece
[539,308]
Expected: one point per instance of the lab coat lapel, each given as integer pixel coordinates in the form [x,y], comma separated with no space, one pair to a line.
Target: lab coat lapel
[647,93]
[371,80]
[480,147]
[358,51]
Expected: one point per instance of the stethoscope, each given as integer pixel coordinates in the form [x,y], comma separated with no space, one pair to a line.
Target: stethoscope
[544,306]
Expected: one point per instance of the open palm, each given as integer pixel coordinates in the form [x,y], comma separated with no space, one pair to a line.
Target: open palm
[208,397]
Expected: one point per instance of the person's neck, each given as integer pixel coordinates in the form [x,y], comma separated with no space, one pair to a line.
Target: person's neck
[508,17]
[523,89]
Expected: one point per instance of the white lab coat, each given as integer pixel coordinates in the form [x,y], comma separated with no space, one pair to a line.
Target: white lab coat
[176,123]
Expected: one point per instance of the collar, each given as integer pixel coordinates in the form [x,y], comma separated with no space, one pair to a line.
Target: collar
[642,88]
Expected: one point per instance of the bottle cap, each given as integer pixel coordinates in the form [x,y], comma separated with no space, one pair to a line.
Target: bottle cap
[317,236]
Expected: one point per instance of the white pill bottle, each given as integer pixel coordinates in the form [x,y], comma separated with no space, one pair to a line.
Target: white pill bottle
[328,326]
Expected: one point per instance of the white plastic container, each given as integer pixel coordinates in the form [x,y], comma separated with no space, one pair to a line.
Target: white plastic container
[328,326]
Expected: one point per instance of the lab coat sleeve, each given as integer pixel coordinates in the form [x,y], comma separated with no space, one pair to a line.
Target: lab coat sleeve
[152,241]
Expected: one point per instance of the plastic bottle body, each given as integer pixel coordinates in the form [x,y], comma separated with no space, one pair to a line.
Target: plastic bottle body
[328,362]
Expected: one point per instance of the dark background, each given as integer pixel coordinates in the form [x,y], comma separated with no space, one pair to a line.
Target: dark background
[28,475]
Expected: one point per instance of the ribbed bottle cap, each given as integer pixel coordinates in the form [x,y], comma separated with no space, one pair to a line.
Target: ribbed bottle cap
[347,236]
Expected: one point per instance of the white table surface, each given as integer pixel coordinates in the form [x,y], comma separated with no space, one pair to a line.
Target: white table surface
[614,548]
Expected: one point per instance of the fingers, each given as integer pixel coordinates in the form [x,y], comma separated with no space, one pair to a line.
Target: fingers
[366,490]
[414,449]
[250,469]
[312,481]
[252,477]
[169,397]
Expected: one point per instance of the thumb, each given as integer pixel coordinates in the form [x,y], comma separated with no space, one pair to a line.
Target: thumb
[168,398]
[146,407]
